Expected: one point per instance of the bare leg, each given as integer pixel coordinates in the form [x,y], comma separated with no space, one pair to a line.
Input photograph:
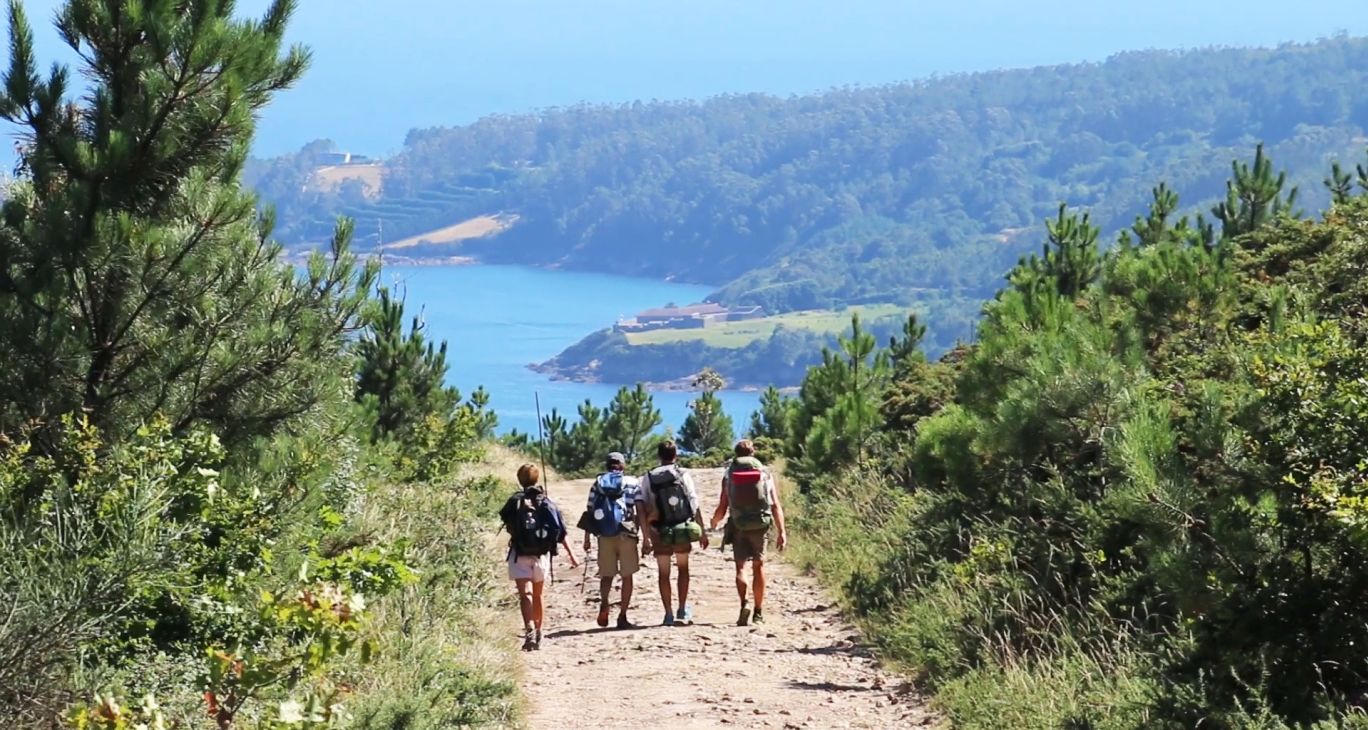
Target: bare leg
[683,580]
[626,595]
[758,581]
[605,585]
[741,581]
[663,577]
[524,588]
[537,605]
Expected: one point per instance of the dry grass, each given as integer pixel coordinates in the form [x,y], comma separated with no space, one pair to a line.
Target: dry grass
[478,227]
[330,178]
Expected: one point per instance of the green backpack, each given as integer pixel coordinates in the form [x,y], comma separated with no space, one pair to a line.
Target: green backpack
[747,496]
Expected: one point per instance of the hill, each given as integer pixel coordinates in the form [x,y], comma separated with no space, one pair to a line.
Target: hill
[855,195]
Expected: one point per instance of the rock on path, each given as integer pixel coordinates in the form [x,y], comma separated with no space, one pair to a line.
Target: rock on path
[806,667]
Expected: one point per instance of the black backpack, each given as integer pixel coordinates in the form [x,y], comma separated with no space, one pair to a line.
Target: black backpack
[532,523]
[672,504]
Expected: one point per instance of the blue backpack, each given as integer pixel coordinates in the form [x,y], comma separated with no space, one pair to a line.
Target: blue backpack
[610,510]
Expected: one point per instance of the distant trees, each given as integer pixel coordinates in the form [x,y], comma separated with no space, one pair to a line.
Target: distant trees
[869,194]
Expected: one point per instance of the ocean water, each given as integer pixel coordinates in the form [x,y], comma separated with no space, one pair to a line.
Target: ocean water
[499,319]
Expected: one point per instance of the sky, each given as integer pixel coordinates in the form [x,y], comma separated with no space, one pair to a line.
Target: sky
[381,68]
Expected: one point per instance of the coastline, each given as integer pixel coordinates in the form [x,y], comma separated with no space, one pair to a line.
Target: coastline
[676,385]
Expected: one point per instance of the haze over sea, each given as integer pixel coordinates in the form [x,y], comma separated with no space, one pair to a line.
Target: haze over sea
[498,319]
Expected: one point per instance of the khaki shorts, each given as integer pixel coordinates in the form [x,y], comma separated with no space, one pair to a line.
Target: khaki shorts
[618,555]
[528,567]
[749,545]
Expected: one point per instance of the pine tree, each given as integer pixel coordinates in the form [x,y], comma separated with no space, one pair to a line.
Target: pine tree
[770,420]
[1070,261]
[401,376]
[632,416]
[1340,184]
[1254,196]
[838,407]
[707,427]
[136,276]
[586,444]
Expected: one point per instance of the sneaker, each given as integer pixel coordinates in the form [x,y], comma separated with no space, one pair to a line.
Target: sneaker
[744,618]
[603,615]
[536,643]
[623,623]
[758,618]
[669,619]
[686,615]
[528,643]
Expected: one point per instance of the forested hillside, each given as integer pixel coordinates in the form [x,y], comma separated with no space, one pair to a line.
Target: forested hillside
[1138,500]
[855,194]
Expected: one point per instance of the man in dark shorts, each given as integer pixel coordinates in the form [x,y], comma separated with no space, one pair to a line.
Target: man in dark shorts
[750,501]
[673,517]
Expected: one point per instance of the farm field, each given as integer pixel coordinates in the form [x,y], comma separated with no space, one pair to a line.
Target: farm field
[740,334]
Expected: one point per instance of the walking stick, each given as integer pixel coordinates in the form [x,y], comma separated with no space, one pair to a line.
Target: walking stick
[541,447]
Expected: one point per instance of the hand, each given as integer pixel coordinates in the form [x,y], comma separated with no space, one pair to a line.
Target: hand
[645,547]
[586,544]
[782,542]
[573,562]
[704,541]
[715,523]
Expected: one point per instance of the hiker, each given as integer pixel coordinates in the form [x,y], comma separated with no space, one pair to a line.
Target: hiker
[612,515]
[749,495]
[536,531]
[674,523]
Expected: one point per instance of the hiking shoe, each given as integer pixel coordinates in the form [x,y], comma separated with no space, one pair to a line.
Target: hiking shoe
[528,643]
[603,615]
[744,618]
[623,623]
[686,615]
[669,619]
[536,642]
[757,617]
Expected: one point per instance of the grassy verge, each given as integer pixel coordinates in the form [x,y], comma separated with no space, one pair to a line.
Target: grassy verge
[740,334]
[852,537]
[442,661]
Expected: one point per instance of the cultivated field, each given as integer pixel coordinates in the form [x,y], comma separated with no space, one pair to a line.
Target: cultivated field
[740,334]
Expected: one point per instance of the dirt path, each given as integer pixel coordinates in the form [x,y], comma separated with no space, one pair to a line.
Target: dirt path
[805,667]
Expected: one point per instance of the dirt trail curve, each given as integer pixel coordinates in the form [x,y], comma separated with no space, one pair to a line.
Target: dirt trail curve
[805,667]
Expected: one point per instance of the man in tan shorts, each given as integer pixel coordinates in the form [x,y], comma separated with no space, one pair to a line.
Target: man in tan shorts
[751,501]
[613,514]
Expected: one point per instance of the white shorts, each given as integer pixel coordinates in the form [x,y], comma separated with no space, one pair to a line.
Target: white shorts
[528,567]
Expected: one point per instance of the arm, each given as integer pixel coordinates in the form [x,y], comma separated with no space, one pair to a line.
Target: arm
[698,510]
[565,543]
[645,514]
[782,540]
[588,507]
[722,505]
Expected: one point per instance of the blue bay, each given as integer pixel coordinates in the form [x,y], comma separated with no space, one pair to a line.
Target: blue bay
[499,319]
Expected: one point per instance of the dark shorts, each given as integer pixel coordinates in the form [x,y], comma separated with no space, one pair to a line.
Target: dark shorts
[659,548]
[749,545]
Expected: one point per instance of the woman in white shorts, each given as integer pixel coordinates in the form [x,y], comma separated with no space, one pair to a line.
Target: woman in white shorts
[528,572]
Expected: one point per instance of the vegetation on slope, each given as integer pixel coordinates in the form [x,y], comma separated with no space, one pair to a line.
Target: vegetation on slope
[1137,500]
[207,454]
[857,195]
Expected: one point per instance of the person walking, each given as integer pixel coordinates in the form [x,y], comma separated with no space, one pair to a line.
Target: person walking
[535,531]
[750,502]
[674,523]
[613,514]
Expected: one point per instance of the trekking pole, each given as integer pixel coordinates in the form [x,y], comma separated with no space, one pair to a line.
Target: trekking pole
[541,447]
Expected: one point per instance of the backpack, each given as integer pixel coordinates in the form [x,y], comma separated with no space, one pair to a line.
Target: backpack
[747,496]
[672,503]
[610,516]
[532,523]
